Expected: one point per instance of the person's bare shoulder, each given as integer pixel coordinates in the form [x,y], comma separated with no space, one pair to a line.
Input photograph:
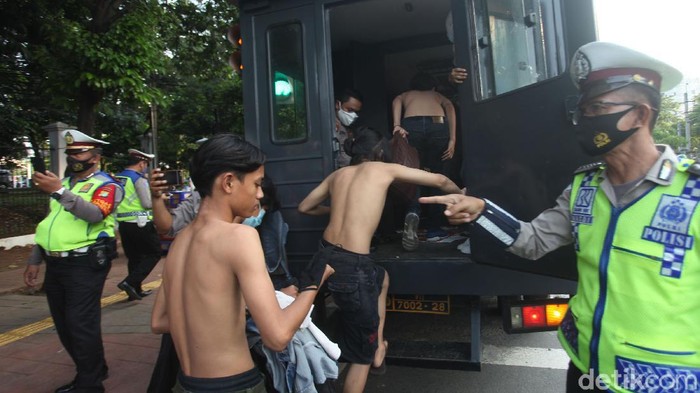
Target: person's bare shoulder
[377,170]
[229,234]
[234,240]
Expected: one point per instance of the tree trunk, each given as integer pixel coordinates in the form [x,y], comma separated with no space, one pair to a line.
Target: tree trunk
[88,99]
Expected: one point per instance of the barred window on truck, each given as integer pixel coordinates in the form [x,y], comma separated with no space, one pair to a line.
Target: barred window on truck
[519,44]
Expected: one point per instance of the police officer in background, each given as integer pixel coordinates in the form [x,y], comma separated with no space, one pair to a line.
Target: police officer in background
[634,221]
[77,241]
[138,234]
[348,103]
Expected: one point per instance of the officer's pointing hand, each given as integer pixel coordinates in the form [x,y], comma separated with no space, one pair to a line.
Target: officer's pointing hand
[459,208]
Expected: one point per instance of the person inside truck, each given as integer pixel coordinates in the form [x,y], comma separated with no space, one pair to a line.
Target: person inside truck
[215,272]
[427,119]
[348,103]
[457,75]
[634,222]
[357,194]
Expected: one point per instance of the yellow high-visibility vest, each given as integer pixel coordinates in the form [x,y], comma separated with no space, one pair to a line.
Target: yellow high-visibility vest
[635,318]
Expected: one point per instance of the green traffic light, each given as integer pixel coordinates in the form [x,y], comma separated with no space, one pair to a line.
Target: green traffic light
[283,87]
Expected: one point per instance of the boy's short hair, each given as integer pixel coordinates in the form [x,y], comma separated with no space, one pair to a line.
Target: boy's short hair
[223,153]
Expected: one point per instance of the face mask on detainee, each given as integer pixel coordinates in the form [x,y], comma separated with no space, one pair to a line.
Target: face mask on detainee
[256,220]
[346,118]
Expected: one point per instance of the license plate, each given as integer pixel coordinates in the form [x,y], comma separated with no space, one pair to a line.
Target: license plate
[422,304]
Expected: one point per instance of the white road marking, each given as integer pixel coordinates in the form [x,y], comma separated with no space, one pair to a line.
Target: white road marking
[525,357]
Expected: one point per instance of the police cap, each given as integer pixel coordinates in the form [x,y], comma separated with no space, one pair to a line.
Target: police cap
[601,67]
[78,142]
[139,155]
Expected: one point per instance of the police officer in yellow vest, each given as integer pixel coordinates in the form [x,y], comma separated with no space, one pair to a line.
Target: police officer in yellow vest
[138,234]
[634,221]
[77,241]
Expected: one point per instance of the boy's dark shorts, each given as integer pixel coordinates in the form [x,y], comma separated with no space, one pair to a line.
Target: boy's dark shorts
[251,381]
[355,287]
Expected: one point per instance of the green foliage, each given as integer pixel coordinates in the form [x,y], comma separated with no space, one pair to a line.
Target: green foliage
[694,119]
[204,94]
[670,127]
[666,130]
[102,65]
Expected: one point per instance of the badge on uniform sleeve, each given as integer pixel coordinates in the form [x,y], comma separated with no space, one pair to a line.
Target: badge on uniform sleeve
[85,188]
[104,199]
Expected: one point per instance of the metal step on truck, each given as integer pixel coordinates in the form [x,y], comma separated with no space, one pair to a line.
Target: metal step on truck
[514,141]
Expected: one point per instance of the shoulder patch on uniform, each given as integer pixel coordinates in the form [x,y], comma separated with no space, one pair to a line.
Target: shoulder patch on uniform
[588,167]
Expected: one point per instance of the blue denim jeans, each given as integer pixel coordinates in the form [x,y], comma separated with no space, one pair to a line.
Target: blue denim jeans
[431,140]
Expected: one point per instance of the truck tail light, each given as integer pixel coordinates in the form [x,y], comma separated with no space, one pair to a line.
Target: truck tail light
[534,316]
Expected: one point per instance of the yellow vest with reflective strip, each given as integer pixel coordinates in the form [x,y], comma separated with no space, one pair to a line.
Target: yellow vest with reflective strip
[131,206]
[636,313]
[62,231]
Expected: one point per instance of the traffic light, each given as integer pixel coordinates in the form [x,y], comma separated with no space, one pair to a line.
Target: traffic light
[283,88]
[234,36]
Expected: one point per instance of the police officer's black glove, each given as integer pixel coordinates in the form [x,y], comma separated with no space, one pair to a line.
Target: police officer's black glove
[310,278]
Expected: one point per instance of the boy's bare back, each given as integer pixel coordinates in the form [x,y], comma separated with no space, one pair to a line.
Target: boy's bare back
[358,193]
[423,103]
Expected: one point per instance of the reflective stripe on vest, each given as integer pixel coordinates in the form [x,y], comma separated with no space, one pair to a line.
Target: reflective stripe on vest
[131,206]
[636,313]
[62,231]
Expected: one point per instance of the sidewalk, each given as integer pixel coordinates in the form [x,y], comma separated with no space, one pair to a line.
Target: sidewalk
[37,362]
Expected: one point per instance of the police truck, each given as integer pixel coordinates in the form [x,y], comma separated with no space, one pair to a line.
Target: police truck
[515,145]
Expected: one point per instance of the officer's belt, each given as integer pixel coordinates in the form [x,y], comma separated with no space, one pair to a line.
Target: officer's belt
[78,252]
[133,214]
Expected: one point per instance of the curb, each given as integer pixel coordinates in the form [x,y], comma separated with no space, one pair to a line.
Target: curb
[21,241]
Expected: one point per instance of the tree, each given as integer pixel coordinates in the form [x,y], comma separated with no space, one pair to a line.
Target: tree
[666,130]
[62,58]
[92,48]
[694,118]
[204,94]
[100,65]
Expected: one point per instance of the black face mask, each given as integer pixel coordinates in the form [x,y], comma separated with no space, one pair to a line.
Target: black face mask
[77,166]
[599,134]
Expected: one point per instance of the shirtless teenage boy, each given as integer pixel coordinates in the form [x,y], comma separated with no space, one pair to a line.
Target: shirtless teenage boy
[215,268]
[359,286]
